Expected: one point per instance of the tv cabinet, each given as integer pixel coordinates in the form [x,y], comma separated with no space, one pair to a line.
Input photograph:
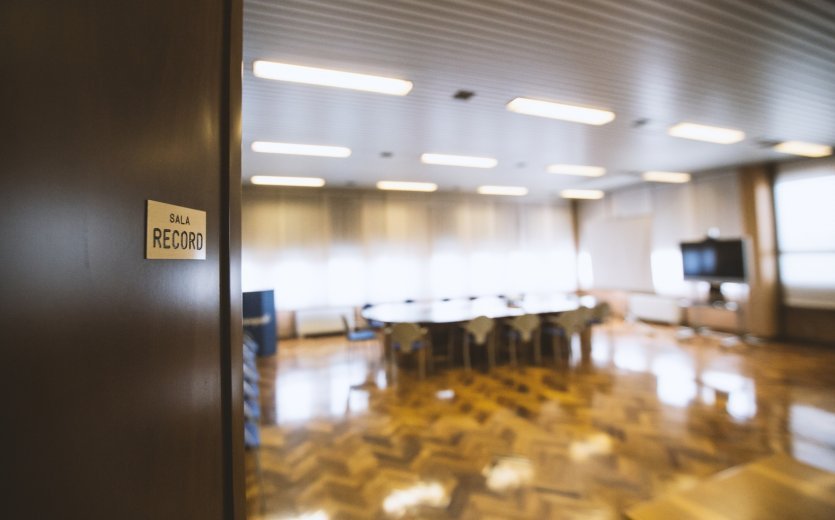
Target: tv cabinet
[719,316]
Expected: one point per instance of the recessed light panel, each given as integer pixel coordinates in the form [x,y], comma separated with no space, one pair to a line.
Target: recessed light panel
[804,149]
[673,177]
[711,134]
[581,194]
[458,160]
[314,150]
[576,169]
[407,186]
[573,113]
[516,191]
[271,180]
[330,78]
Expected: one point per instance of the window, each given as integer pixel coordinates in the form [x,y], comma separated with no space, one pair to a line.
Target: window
[804,198]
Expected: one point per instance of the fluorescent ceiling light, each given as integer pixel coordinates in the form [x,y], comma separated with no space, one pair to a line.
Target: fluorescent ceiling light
[301,149]
[458,160]
[711,134]
[330,78]
[516,191]
[674,177]
[577,169]
[581,194]
[804,149]
[535,107]
[270,180]
[406,186]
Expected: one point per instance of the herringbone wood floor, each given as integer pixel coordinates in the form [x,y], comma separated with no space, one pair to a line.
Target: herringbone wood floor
[643,415]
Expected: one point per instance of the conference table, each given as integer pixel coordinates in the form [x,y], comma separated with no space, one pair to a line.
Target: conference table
[463,310]
[443,317]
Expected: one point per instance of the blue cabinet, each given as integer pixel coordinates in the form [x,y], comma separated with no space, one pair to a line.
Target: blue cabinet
[259,320]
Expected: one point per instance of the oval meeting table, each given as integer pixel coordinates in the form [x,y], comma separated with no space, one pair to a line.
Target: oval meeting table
[442,314]
[463,310]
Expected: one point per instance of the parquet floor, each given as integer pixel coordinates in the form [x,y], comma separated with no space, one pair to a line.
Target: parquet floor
[643,415]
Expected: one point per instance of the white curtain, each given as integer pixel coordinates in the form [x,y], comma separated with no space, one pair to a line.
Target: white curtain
[329,247]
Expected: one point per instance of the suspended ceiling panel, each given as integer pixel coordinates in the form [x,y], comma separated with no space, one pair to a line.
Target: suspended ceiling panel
[764,67]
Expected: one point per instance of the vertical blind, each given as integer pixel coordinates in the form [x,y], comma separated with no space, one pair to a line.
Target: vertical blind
[328,248]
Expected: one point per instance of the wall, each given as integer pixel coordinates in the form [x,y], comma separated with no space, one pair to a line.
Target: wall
[348,247]
[120,397]
[629,240]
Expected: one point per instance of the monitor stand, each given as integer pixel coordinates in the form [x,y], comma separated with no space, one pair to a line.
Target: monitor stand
[715,308]
[715,296]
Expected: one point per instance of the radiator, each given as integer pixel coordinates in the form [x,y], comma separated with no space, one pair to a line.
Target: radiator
[310,322]
[650,307]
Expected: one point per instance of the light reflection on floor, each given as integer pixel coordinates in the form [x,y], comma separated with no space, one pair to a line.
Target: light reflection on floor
[326,388]
[324,391]
[400,501]
[508,473]
[658,412]
[814,435]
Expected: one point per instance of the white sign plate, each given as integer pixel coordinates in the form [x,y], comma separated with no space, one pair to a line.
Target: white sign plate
[174,232]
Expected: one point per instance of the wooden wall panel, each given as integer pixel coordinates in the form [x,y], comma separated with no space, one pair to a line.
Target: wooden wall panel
[757,203]
[117,371]
[813,325]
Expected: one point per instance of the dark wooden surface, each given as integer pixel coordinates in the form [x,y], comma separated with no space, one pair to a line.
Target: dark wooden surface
[114,368]
[815,325]
[645,417]
[230,265]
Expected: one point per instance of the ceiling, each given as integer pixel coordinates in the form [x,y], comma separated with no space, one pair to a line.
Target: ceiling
[766,67]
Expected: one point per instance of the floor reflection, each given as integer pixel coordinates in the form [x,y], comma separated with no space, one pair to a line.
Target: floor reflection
[737,392]
[813,435]
[508,473]
[323,390]
[402,501]
[676,378]
[644,414]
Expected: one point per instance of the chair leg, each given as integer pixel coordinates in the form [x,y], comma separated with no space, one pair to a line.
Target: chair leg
[422,363]
[585,343]
[512,344]
[491,351]
[567,348]
[450,348]
[562,349]
[555,346]
[430,354]
[392,363]
[467,352]
[537,349]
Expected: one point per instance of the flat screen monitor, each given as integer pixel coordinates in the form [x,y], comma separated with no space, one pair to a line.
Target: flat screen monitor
[714,260]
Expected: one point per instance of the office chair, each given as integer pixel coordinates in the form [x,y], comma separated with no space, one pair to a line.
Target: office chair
[479,331]
[567,324]
[525,329]
[409,338]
